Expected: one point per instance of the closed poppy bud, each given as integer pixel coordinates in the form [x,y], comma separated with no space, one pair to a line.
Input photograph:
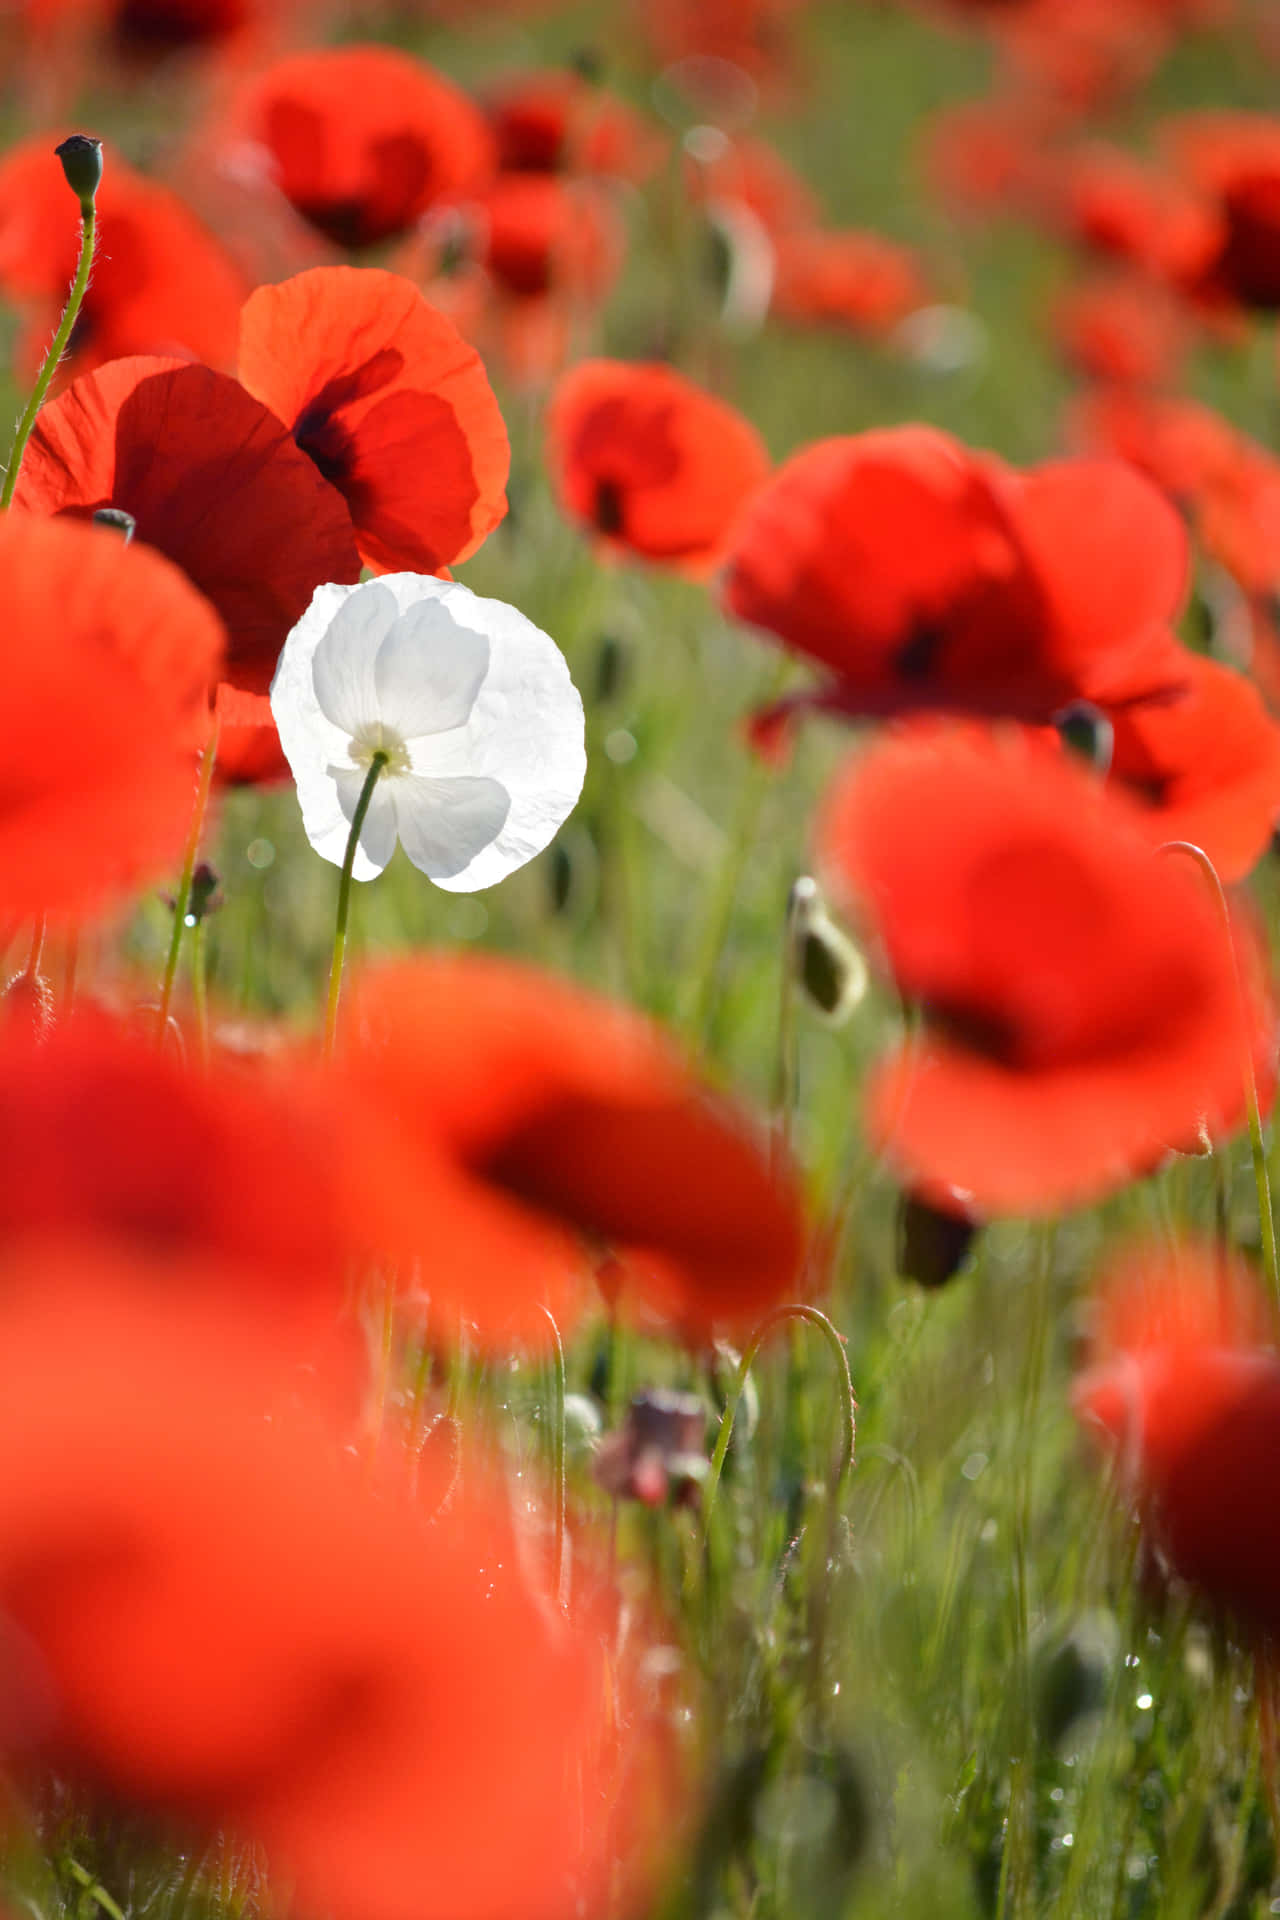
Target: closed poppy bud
[933,1242]
[81,157]
[118,520]
[825,964]
[1087,732]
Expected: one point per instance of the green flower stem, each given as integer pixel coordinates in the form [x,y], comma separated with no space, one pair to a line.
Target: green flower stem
[848,1426]
[182,899]
[558,1475]
[376,766]
[88,243]
[1266,1218]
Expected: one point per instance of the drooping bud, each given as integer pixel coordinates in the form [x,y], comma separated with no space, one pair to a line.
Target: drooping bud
[825,965]
[81,157]
[933,1242]
[118,520]
[659,1448]
[1087,733]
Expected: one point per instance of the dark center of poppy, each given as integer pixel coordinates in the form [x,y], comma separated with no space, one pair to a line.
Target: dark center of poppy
[918,656]
[608,510]
[318,431]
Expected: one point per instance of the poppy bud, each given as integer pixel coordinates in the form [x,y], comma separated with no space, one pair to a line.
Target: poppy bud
[933,1242]
[1071,1673]
[26,1004]
[1088,733]
[118,520]
[825,964]
[81,157]
[660,1447]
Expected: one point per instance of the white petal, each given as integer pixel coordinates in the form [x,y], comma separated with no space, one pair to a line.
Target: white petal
[311,743]
[344,666]
[525,731]
[377,840]
[445,824]
[429,671]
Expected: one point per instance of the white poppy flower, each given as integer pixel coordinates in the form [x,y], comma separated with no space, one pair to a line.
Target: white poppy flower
[472,703]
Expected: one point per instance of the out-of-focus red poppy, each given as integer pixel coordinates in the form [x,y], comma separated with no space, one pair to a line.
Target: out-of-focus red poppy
[1086,57]
[924,575]
[219,1619]
[1128,209]
[848,279]
[1204,767]
[555,121]
[1184,1382]
[541,234]
[1123,330]
[650,463]
[757,36]
[750,170]
[985,156]
[1078,990]
[214,482]
[142,31]
[112,1141]
[541,1118]
[108,663]
[1234,159]
[161,283]
[361,140]
[390,403]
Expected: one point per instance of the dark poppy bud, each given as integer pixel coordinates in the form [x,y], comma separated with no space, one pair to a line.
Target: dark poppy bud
[613,668]
[1071,1674]
[205,897]
[825,964]
[1087,733]
[118,520]
[933,1243]
[81,157]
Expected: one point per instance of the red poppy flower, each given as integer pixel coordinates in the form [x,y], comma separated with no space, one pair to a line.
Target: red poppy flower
[1184,1381]
[1127,209]
[555,121]
[541,234]
[651,463]
[161,283]
[1185,448]
[1122,330]
[216,1618]
[390,403]
[924,575]
[214,482]
[1204,767]
[1234,159]
[109,659]
[752,171]
[857,280]
[985,156]
[1078,992]
[363,139]
[538,1117]
[757,36]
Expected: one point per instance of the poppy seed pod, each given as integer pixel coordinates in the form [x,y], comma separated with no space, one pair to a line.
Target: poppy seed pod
[81,157]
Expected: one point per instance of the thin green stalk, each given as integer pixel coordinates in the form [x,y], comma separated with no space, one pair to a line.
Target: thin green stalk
[376,765]
[558,1476]
[70,314]
[1266,1218]
[771,1320]
[182,899]
[200,992]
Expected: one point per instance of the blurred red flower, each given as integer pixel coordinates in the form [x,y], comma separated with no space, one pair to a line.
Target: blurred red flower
[389,402]
[109,660]
[554,121]
[1204,767]
[1184,1382]
[1078,991]
[161,283]
[652,464]
[847,279]
[1234,160]
[540,234]
[361,140]
[923,575]
[1122,329]
[537,1118]
[220,1619]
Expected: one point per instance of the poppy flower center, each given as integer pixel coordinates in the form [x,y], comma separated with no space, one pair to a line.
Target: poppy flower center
[379,738]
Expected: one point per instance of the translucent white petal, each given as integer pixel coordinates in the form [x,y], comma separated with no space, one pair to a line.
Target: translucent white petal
[377,840]
[344,666]
[445,824]
[310,741]
[429,671]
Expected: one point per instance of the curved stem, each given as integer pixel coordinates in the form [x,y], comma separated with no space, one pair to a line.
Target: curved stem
[182,899]
[88,242]
[1266,1218]
[376,766]
[848,1432]
[558,1475]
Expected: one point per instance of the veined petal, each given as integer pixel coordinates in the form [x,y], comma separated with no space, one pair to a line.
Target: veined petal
[344,666]
[377,840]
[446,824]
[429,670]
